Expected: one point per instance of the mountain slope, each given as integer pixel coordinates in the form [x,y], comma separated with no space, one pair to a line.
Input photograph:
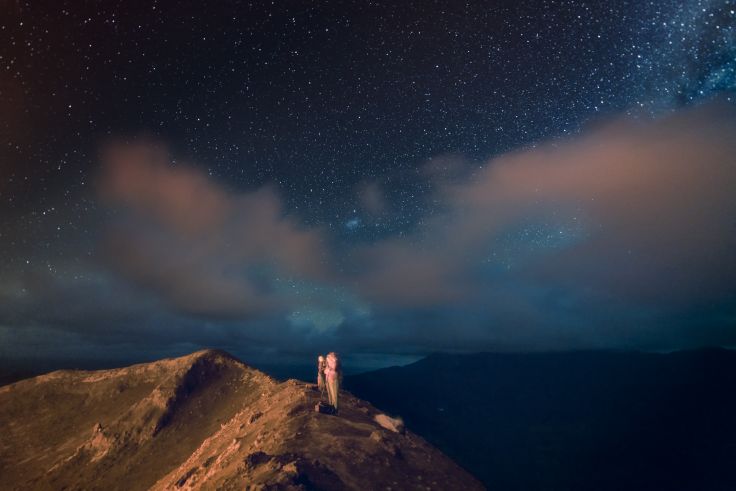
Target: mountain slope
[203,421]
[567,421]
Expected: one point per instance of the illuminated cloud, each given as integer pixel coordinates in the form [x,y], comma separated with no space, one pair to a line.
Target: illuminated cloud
[621,237]
[203,248]
[634,214]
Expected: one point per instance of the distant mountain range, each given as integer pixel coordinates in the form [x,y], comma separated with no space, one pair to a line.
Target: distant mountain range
[572,421]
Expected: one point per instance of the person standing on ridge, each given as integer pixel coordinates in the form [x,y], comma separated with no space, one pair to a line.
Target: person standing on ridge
[321,364]
[333,376]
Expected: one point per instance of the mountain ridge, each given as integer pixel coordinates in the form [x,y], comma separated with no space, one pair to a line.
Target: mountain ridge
[202,421]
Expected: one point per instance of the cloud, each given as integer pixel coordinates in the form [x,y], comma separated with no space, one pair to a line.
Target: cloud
[372,198]
[631,224]
[205,249]
[624,236]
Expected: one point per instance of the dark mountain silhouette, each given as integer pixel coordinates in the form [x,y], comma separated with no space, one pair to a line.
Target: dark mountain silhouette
[572,421]
[202,421]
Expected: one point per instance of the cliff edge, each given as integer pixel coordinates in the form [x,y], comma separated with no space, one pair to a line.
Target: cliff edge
[203,421]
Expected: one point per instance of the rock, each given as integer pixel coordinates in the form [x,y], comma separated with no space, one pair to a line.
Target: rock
[256,458]
[290,468]
[393,424]
[183,479]
[376,437]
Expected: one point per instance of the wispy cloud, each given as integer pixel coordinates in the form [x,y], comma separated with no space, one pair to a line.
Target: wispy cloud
[624,236]
[204,248]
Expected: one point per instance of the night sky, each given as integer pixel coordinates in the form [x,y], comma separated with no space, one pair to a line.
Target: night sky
[386,179]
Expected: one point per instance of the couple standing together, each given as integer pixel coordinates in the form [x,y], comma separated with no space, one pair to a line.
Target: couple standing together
[329,376]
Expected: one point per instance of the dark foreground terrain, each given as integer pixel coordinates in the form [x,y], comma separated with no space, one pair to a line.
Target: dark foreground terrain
[573,421]
[203,421]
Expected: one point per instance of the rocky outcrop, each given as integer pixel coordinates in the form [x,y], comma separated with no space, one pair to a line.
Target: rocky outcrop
[392,424]
[204,421]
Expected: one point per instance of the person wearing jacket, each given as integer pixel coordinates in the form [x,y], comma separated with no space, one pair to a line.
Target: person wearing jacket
[333,377]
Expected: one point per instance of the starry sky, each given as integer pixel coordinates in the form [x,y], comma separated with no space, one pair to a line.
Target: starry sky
[387,179]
